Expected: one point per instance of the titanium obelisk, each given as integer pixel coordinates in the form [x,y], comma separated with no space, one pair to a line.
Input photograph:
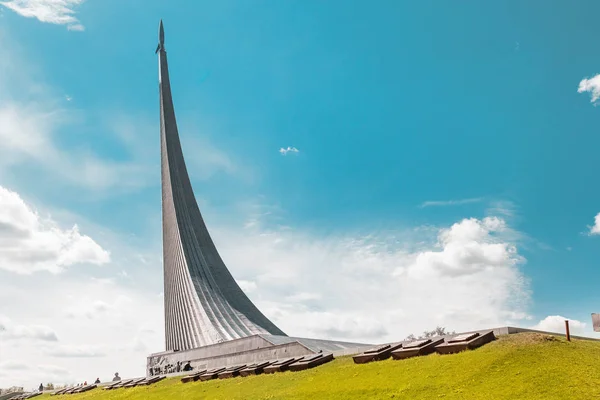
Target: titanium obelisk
[203,303]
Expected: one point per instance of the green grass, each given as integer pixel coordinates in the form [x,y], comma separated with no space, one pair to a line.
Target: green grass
[522,366]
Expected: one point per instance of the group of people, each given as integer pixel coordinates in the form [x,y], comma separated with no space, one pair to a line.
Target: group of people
[168,369]
[41,388]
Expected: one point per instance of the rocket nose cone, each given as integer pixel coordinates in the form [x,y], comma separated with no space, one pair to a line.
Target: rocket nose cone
[161,32]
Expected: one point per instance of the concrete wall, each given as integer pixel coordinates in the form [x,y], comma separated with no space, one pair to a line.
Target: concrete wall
[252,356]
[239,351]
[230,346]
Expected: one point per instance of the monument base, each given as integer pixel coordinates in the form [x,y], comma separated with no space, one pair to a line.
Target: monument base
[247,350]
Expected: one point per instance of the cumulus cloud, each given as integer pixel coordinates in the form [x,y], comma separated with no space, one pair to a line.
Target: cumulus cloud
[556,323]
[592,86]
[29,243]
[284,151]
[464,277]
[595,229]
[60,12]
[467,248]
[370,288]
[12,331]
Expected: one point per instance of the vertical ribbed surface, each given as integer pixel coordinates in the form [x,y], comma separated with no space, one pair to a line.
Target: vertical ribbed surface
[203,303]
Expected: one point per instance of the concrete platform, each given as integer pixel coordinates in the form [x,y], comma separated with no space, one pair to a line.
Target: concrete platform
[281,365]
[463,342]
[255,369]
[377,353]
[246,351]
[311,362]
[416,348]
[231,372]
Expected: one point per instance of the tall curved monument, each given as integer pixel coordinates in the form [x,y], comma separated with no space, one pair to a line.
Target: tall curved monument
[203,303]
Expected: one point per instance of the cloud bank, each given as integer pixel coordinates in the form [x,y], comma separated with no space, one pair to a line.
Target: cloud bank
[60,12]
[29,243]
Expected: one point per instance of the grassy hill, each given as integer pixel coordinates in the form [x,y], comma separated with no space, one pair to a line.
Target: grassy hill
[521,366]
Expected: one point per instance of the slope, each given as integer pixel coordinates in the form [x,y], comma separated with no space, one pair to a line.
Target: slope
[521,366]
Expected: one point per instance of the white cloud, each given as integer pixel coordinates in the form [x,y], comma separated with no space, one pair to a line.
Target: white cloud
[12,331]
[595,230]
[117,339]
[556,323]
[450,202]
[467,248]
[8,365]
[392,285]
[303,297]
[29,243]
[247,286]
[60,12]
[284,151]
[372,288]
[591,85]
[76,351]
[39,137]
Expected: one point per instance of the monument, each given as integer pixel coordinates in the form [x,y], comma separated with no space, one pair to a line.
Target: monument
[203,303]
[209,321]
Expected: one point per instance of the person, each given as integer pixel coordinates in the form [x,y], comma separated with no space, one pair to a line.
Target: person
[41,387]
[85,383]
[187,367]
[97,381]
[117,377]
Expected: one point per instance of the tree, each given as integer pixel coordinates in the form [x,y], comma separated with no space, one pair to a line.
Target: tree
[438,331]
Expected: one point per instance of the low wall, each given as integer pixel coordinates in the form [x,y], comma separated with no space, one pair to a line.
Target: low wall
[249,351]
[252,356]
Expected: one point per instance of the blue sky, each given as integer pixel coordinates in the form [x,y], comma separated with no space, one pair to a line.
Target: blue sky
[408,118]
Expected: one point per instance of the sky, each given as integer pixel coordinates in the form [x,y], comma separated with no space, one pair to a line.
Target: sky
[367,170]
